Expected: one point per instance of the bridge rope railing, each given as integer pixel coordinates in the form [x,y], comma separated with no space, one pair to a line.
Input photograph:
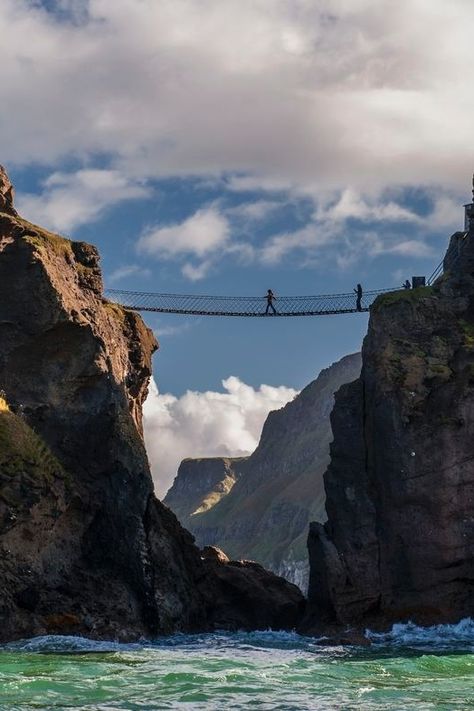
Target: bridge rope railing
[253,306]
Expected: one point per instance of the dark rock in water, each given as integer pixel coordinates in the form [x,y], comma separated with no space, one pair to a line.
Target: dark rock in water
[249,597]
[399,540]
[79,523]
[259,507]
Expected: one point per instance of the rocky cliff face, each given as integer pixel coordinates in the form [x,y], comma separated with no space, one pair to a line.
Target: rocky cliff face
[200,484]
[399,540]
[279,488]
[84,544]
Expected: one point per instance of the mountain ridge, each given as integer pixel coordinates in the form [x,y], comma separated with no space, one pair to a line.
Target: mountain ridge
[278,488]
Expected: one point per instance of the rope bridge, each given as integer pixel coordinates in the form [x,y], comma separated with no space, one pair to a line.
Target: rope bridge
[320,305]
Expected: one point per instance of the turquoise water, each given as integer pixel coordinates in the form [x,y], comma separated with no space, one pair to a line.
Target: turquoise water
[408,668]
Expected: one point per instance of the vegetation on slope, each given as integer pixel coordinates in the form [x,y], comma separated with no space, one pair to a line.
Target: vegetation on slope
[26,463]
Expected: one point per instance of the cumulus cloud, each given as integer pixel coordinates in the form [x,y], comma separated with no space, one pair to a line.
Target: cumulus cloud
[348,226]
[204,235]
[203,232]
[69,200]
[336,101]
[290,93]
[206,424]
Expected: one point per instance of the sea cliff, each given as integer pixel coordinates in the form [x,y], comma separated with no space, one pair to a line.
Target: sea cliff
[399,540]
[85,547]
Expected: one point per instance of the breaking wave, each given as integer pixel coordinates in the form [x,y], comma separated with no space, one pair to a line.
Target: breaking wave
[455,637]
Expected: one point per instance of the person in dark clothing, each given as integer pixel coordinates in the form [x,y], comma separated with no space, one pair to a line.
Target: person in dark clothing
[270,298]
[407,285]
[359,292]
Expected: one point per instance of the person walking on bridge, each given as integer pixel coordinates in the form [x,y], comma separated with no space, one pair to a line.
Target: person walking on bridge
[270,297]
[358,291]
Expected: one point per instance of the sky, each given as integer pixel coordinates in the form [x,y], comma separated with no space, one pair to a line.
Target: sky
[231,146]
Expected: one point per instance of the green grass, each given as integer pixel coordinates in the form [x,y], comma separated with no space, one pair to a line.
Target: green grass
[42,238]
[408,295]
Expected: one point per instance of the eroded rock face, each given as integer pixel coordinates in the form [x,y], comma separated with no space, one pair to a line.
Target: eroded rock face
[399,540]
[200,484]
[85,547]
[6,193]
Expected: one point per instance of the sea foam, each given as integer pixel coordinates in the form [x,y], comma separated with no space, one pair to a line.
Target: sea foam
[437,637]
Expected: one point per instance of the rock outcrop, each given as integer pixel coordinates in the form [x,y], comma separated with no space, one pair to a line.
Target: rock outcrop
[277,490]
[6,193]
[85,547]
[399,540]
[200,484]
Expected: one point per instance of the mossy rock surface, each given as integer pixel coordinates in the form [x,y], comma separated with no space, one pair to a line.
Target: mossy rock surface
[25,460]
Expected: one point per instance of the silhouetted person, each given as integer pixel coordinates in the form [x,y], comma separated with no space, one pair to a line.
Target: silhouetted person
[270,298]
[407,284]
[359,292]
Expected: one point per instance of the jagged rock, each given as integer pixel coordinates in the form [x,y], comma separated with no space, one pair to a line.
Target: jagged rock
[398,543]
[200,484]
[6,193]
[276,491]
[85,547]
[213,553]
[249,597]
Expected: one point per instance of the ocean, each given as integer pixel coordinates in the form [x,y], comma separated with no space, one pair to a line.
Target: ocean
[407,668]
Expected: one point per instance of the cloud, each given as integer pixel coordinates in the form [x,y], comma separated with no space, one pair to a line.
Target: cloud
[196,272]
[198,235]
[287,94]
[206,424]
[337,102]
[168,331]
[205,234]
[348,226]
[350,204]
[69,200]
[127,271]
[254,211]
[412,248]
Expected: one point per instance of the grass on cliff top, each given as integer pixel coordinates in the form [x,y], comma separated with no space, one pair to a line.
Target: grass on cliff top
[41,238]
[115,310]
[410,295]
[22,450]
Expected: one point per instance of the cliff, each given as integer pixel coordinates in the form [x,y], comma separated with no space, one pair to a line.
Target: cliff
[200,484]
[278,489]
[399,540]
[85,547]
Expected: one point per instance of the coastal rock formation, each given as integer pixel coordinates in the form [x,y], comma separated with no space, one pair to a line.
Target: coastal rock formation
[85,547]
[277,490]
[399,540]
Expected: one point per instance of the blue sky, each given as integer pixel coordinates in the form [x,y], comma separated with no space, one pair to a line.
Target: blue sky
[228,147]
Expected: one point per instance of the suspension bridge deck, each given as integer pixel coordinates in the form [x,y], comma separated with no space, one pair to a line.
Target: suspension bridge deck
[247,306]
